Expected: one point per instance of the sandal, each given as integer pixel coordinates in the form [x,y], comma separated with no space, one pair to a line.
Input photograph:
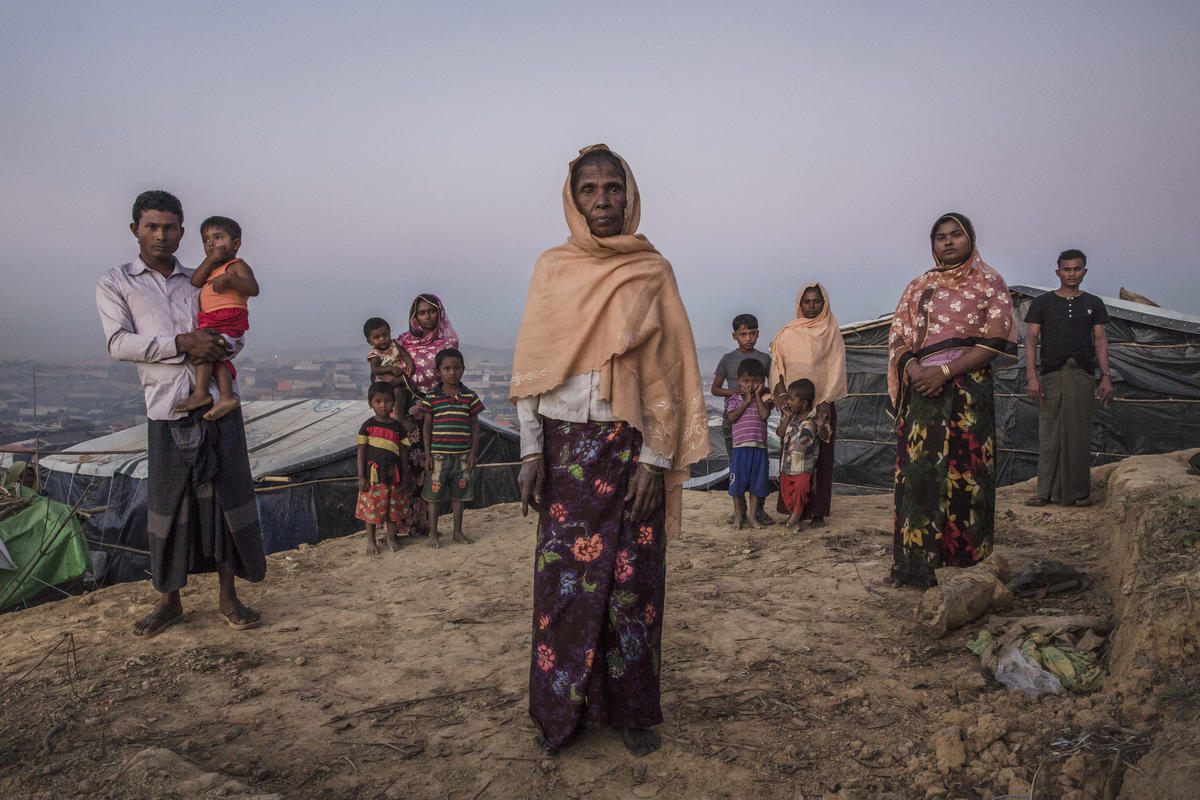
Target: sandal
[155,623]
[1037,502]
[241,618]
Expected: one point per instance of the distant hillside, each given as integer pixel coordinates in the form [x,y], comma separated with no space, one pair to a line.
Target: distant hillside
[475,353]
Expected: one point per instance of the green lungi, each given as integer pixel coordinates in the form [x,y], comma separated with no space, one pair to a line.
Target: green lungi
[1065,434]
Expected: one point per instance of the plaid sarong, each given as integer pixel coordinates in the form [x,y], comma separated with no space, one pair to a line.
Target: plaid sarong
[200,507]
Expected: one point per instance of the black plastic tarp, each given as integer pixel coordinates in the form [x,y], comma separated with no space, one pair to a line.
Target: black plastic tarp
[1155,359]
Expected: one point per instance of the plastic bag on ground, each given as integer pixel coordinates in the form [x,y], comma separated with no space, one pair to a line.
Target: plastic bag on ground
[1016,670]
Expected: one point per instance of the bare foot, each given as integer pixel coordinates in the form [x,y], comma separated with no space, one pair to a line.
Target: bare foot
[434,541]
[754,521]
[223,407]
[792,521]
[459,536]
[372,546]
[192,402]
[541,744]
[640,741]
[739,523]
[393,542]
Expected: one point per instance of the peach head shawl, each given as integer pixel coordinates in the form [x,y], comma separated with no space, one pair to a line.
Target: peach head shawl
[611,304]
[813,349]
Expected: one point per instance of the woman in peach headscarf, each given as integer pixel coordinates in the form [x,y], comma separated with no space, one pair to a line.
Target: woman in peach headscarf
[611,407]
[811,346]
[951,323]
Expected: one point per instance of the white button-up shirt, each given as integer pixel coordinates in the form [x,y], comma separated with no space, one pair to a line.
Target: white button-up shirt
[577,399]
[141,313]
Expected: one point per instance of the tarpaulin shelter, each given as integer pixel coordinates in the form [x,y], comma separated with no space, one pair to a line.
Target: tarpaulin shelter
[302,458]
[1154,354]
[41,544]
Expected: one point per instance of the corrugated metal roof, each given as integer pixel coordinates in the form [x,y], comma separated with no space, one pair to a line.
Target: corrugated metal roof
[1134,312]
[282,436]
[1121,309]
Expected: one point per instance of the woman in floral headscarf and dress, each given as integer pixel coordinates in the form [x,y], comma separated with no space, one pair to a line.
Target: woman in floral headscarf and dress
[609,397]
[429,330]
[811,346]
[951,323]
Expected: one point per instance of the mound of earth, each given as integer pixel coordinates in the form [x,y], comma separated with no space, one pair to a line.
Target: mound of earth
[788,671]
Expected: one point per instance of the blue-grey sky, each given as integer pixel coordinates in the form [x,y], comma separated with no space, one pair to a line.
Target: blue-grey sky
[375,150]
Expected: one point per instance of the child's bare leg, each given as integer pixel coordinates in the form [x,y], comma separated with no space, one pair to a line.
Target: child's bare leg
[228,400]
[459,536]
[755,507]
[389,531]
[739,512]
[199,397]
[372,547]
[433,522]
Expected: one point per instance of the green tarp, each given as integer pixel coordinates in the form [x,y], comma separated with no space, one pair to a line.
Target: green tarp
[46,543]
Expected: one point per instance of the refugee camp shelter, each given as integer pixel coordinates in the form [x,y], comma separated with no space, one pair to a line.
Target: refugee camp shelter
[1154,354]
[41,544]
[302,458]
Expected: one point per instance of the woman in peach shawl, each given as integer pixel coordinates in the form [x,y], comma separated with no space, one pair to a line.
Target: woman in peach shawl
[951,323]
[811,346]
[609,397]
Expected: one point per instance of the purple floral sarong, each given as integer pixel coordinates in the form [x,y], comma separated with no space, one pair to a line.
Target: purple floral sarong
[598,587]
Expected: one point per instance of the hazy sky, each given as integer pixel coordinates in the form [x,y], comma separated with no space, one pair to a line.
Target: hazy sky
[375,150]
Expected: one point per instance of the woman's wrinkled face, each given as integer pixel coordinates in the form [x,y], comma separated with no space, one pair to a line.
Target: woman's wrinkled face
[427,316]
[812,303]
[951,245]
[600,196]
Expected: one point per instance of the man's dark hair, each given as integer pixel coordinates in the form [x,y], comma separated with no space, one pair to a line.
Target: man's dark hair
[803,388]
[751,368]
[749,320]
[222,223]
[1067,255]
[157,200]
[597,157]
[374,324]
[378,388]
[449,352]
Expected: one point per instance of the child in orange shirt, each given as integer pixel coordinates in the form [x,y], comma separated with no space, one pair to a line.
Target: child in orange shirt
[225,283]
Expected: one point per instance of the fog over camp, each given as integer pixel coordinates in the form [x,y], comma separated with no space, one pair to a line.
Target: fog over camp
[380,150]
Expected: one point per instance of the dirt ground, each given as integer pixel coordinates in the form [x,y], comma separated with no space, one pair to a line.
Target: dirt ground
[787,672]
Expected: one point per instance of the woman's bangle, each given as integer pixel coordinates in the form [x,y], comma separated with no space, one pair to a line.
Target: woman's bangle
[653,470]
[946,370]
[531,457]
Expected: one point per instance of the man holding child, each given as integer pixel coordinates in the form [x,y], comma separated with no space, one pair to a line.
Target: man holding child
[201,514]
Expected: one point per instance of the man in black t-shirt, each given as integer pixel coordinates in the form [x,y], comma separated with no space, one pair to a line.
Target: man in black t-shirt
[1070,326]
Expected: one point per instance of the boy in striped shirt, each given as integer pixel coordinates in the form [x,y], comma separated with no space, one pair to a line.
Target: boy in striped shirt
[451,437]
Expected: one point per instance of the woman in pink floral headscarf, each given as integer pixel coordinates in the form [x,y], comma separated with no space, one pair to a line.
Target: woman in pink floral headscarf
[429,330]
[952,328]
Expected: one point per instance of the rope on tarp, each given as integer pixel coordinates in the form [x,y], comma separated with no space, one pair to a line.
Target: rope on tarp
[28,452]
[1018,394]
[287,483]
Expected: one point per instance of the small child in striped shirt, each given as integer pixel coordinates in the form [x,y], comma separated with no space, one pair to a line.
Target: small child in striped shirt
[748,468]
[799,432]
[451,437]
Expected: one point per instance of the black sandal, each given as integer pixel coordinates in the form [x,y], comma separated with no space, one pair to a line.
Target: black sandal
[155,623]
